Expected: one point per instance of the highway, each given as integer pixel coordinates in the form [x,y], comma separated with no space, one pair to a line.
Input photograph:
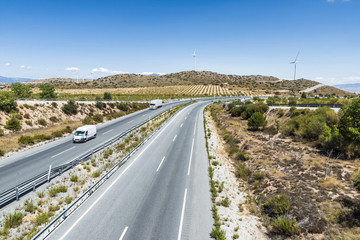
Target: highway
[161,192]
[25,165]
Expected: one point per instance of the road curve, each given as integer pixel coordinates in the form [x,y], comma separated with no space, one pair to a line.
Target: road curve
[161,192]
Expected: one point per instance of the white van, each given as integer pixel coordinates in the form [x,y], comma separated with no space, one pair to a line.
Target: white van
[154,104]
[84,133]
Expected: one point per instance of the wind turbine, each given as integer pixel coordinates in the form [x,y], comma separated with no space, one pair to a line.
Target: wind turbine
[295,62]
[194,56]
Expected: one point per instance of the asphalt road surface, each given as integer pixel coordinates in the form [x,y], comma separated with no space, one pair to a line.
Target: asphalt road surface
[161,192]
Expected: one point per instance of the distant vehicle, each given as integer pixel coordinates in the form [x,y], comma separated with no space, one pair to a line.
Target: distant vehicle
[84,133]
[154,104]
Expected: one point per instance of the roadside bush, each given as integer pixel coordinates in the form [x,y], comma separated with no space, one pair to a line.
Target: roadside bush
[218,234]
[257,120]
[7,102]
[68,199]
[42,218]
[276,205]
[225,202]
[1,132]
[28,122]
[123,107]
[27,116]
[41,137]
[55,190]
[96,174]
[13,124]
[74,178]
[57,133]
[108,153]
[29,206]
[100,105]
[87,121]
[285,226]
[246,111]
[13,220]
[70,108]
[242,171]
[54,119]
[21,90]
[54,104]
[27,140]
[242,156]
[47,91]
[107,96]
[2,152]
[98,118]
[42,122]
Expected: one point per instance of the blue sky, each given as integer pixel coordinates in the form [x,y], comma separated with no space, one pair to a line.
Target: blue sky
[41,38]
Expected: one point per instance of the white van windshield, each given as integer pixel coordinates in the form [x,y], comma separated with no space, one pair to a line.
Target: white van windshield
[79,133]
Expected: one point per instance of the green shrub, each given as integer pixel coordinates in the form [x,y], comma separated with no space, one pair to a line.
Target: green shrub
[215,163]
[74,178]
[13,220]
[218,234]
[98,118]
[356,179]
[257,120]
[7,102]
[235,236]
[225,202]
[246,111]
[21,90]
[53,208]
[276,205]
[87,121]
[123,107]
[70,108]
[54,119]
[2,132]
[54,104]
[42,122]
[242,171]
[68,199]
[47,91]
[281,112]
[29,206]
[13,124]
[28,122]
[2,152]
[242,156]
[96,174]
[42,218]
[108,153]
[285,226]
[55,190]
[27,140]
[107,96]
[258,175]
[41,137]
[100,105]
[58,133]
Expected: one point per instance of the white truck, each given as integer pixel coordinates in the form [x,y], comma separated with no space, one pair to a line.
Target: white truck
[154,104]
[84,133]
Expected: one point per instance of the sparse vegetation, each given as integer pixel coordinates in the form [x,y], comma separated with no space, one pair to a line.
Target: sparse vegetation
[13,124]
[276,205]
[70,108]
[285,226]
[55,190]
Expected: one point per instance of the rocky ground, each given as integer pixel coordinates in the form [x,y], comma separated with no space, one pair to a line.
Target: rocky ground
[236,218]
[319,188]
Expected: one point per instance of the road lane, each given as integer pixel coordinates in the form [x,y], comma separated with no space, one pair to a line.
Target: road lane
[145,198]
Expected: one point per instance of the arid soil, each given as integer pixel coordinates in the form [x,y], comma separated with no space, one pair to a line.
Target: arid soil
[325,206]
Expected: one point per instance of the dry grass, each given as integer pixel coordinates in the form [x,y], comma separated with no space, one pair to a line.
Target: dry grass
[10,142]
[331,183]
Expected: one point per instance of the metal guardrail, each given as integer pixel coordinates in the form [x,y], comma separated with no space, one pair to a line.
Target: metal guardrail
[308,105]
[73,206]
[31,184]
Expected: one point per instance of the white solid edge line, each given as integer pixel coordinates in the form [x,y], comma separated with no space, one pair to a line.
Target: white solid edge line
[192,148]
[62,152]
[181,125]
[160,163]
[112,184]
[123,233]
[174,137]
[182,215]
[108,131]
[130,121]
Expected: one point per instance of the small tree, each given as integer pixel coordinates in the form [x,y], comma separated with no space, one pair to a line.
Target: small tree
[303,95]
[21,90]
[47,91]
[256,121]
[13,124]
[349,125]
[70,108]
[107,96]
[7,102]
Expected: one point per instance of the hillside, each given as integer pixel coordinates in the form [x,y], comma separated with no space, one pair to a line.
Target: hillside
[187,78]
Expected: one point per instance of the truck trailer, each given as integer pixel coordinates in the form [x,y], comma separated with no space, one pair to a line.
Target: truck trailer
[84,133]
[154,104]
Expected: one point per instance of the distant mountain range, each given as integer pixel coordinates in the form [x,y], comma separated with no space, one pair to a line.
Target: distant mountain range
[13,80]
[351,87]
